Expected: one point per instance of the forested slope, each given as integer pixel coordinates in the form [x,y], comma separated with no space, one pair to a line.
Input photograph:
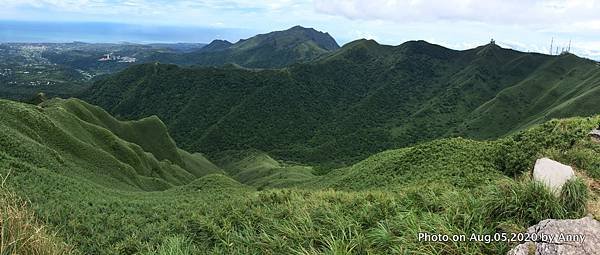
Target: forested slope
[361,99]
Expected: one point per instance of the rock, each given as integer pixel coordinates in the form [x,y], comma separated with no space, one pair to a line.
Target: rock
[552,173]
[595,134]
[570,237]
[38,99]
[522,249]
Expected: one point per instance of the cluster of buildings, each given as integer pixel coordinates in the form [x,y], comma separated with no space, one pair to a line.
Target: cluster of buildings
[31,83]
[5,72]
[112,57]
[40,83]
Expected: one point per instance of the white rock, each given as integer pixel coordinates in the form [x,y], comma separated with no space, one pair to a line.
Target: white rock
[552,173]
[595,134]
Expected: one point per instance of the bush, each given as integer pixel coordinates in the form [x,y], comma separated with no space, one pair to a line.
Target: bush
[514,157]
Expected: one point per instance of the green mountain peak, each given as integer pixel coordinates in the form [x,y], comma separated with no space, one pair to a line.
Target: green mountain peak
[217,45]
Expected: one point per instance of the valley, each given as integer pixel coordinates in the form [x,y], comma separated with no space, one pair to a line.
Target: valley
[113,192]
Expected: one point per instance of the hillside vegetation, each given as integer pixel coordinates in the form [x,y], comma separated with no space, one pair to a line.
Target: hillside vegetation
[356,101]
[89,181]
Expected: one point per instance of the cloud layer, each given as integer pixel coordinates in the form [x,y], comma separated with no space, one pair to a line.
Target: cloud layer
[504,12]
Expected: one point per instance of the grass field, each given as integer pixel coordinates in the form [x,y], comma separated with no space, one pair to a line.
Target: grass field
[102,186]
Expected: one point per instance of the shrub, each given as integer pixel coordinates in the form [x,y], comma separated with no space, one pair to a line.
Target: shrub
[514,158]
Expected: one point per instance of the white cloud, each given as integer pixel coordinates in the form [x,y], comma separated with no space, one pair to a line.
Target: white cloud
[503,12]
[140,7]
[587,48]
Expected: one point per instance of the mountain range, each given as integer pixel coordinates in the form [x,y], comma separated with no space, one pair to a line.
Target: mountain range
[356,101]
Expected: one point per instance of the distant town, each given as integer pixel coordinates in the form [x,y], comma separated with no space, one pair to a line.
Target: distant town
[113,57]
[53,64]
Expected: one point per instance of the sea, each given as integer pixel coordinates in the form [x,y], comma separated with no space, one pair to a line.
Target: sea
[96,32]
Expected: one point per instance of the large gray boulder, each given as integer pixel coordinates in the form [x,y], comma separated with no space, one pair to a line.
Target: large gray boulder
[552,173]
[569,237]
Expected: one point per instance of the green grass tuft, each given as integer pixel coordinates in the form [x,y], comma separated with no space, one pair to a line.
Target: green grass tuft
[574,197]
[176,245]
[525,203]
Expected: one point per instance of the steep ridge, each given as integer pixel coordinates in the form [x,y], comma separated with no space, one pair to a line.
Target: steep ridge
[74,138]
[361,99]
[149,133]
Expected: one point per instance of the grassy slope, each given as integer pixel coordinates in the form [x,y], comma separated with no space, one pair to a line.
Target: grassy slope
[362,99]
[72,169]
[260,170]
[150,133]
[540,97]
[456,186]
[58,138]
[457,162]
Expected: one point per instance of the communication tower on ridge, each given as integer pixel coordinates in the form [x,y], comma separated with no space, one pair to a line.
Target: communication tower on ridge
[566,50]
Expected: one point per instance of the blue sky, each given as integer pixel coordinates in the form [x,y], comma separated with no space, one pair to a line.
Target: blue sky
[521,24]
